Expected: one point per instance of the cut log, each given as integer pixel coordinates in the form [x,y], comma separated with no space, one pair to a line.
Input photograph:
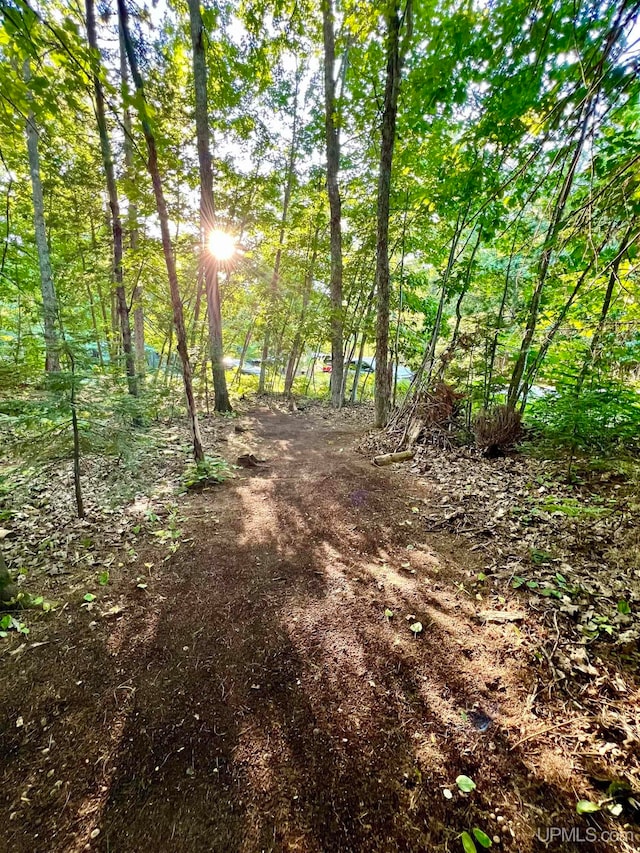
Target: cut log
[390,458]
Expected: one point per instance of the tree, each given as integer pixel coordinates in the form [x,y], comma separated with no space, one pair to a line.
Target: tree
[132,213]
[207,209]
[47,287]
[332,137]
[114,204]
[161,205]
[395,55]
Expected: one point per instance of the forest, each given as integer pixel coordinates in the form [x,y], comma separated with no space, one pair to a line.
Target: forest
[247,249]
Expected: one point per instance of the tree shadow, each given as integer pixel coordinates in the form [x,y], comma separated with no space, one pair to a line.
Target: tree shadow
[260,700]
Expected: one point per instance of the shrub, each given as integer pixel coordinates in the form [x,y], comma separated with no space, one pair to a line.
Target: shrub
[604,420]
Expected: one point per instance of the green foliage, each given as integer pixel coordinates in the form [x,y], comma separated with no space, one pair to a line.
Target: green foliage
[212,470]
[10,623]
[465,784]
[469,843]
[604,420]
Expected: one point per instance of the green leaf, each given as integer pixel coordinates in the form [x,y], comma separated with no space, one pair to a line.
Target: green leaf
[586,807]
[467,843]
[416,627]
[89,596]
[482,838]
[465,784]
[388,613]
[103,578]
[623,607]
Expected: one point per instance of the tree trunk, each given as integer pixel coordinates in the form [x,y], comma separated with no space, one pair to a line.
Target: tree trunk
[594,350]
[275,278]
[392,88]
[47,287]
[335,204]
[114,205]
[77,484]
[207,210]
[132,212]
[298,341]
[154,171]
[555,223]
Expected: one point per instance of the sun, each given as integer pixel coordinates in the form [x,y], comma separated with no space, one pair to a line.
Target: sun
[221,245]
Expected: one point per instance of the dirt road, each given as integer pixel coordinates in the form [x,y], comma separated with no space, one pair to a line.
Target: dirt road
[254,696]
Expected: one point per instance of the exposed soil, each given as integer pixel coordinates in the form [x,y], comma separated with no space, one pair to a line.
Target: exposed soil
[251,694]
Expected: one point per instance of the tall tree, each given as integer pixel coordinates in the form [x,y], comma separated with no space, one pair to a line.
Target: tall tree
[207,209]
[332,133]
[114,204]
[132,210]
[275,277]
[395,55]
[161,205]
[47,287]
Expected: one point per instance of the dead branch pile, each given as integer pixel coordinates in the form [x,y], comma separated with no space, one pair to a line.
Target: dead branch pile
[430,418]
[497,430]
[439,405]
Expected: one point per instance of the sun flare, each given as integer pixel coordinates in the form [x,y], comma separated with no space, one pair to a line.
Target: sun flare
[221,245]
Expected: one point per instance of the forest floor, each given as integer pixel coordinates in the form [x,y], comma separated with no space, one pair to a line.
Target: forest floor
[238,682]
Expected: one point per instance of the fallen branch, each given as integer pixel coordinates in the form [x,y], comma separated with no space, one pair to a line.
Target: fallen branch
[390,458]
[541,732]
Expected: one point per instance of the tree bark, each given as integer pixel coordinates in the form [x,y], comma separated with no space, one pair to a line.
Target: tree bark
[47,287]
[390,112]
[335,204]
[114,204]
[207,210]
[161,205]
[132,212]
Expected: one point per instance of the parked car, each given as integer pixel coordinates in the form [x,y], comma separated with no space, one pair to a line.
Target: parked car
[368,365]
[251,367]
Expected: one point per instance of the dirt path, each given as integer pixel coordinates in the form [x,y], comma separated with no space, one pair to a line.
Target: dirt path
[254,696]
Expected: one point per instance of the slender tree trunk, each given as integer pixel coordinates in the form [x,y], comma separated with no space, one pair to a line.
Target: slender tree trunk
[555,223]
[392,88]
[358,370]
[200,288]
[154,171]
[335,204]
[207,210]
[464,291]
[275,278]
[594,349]
[77,484]
[114,205]
[396,346]
[132,212]
[245,347]
[298,341]
[534,366]
[47,287]
[493,349]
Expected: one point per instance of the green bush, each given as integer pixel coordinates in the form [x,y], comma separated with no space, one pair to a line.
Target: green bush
[604,420]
